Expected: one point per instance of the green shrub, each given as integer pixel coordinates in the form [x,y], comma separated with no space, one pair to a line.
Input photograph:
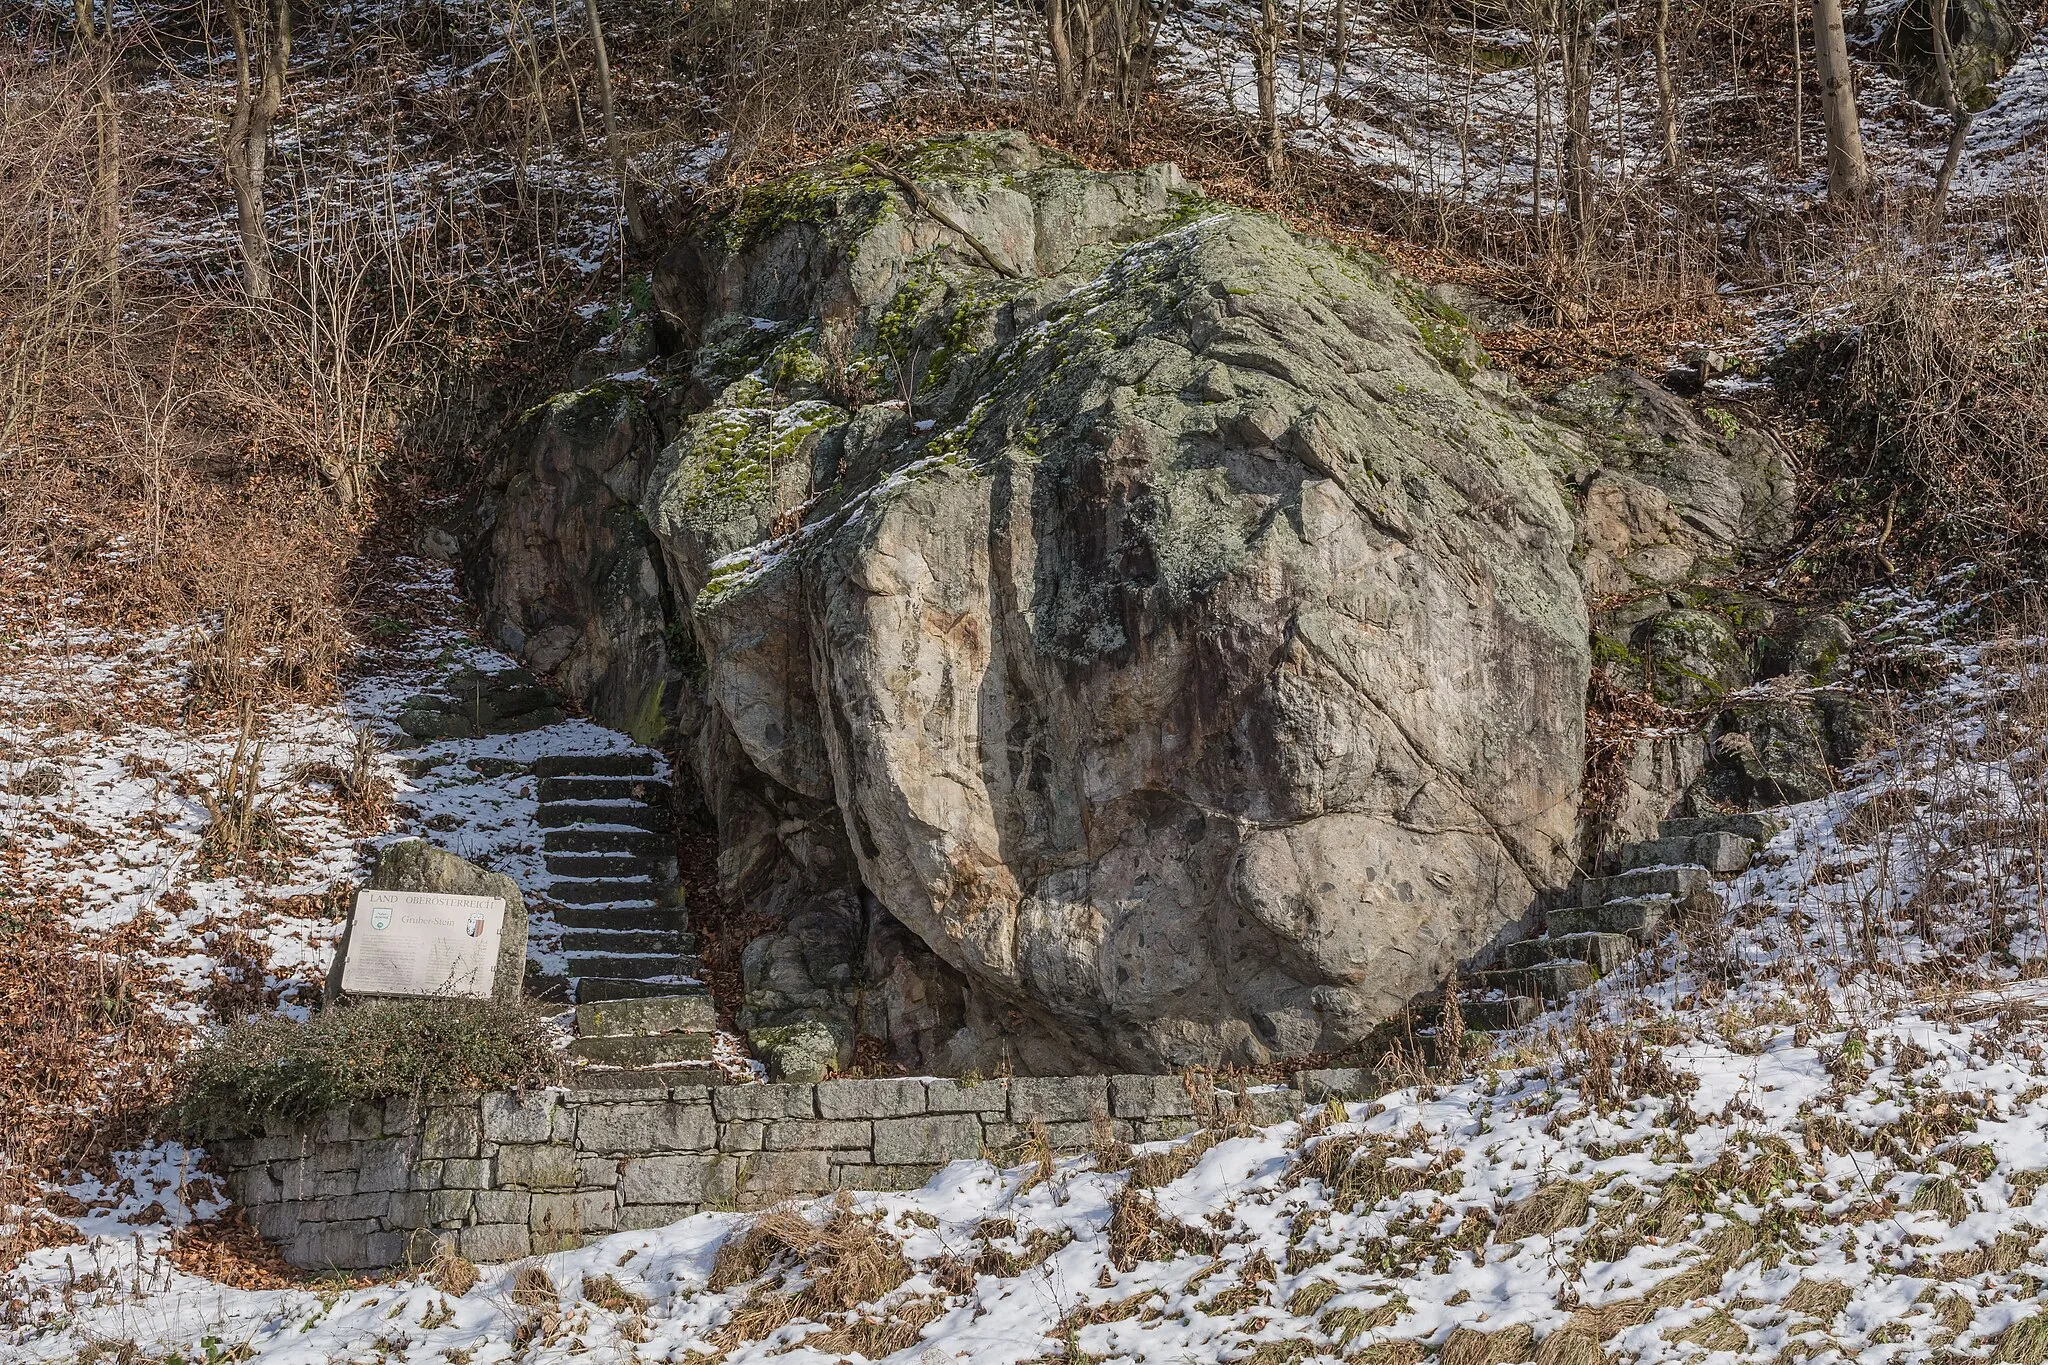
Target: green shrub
[276,1069]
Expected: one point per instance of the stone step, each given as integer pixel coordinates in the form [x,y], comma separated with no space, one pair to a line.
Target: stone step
[649,1050]
[606,891]
[640,965]
[546,986]
[595,765]
[651,790]
[1499,1014]
[589,1080]
[669,919]
[1549,982]
[689,1012]
[623,907]
[1759,827]
[593,865]
[1644,917]
[594,988]
[604,942]
[1604,952]
[603,814]
[646,842]
[1719,853]
[1681,884]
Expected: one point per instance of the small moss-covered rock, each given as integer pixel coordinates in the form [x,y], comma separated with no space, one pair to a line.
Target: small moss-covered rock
[1819,650]
[1777,748]
[803,1052]
[1690,658]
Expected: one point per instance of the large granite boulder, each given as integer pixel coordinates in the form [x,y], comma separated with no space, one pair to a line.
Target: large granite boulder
[1108,629]
[1189,657]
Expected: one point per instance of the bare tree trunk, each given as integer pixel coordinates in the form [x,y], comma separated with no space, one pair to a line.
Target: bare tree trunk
[1062,54]
[1848,171]
[1265,60]
[1538,67]
[1090,78]
[1798,96]
[636,225]
[1136,27]
[1667,94]
[1343,58]
[96,40]
[1960,118]
[262,31]
[1578,112]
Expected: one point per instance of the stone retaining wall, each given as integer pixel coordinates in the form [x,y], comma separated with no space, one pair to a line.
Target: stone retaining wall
[505,1175]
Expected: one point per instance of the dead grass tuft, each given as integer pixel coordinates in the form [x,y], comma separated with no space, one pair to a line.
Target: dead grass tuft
[450,1272]
[1714,1332]
[607,1293]
[1944,1198]
[884,1333]
[844,1263]
[1817,1297]
[2025,1342]
[363,794]
[1556,1206]
[1569,1346]
[1397,1352]
[1039,1244]
[1469,1346]
[1140,1231]
[1154,1169]
[532,1288]
[243,824]
[1346,1325]
[1308,1300]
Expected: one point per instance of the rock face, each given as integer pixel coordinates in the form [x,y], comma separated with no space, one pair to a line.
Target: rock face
[1668,493]
[567,574]
[1168,646]
[415,865]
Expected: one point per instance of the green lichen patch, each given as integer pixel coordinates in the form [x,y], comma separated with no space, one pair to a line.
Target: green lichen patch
[840,193]
[730,454]
[794,363]
[735,348]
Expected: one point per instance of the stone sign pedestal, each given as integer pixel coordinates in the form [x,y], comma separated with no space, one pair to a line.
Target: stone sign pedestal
[423,943]
[449,929]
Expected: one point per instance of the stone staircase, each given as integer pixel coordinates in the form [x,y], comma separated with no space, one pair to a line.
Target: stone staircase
[1607,920]
[625,930]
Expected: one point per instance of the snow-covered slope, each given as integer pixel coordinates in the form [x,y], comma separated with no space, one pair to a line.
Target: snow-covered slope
[1818,1127]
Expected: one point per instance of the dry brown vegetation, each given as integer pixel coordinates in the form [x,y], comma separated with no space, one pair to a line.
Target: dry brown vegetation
[835,1271]
[88,1059]
[1956,387]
